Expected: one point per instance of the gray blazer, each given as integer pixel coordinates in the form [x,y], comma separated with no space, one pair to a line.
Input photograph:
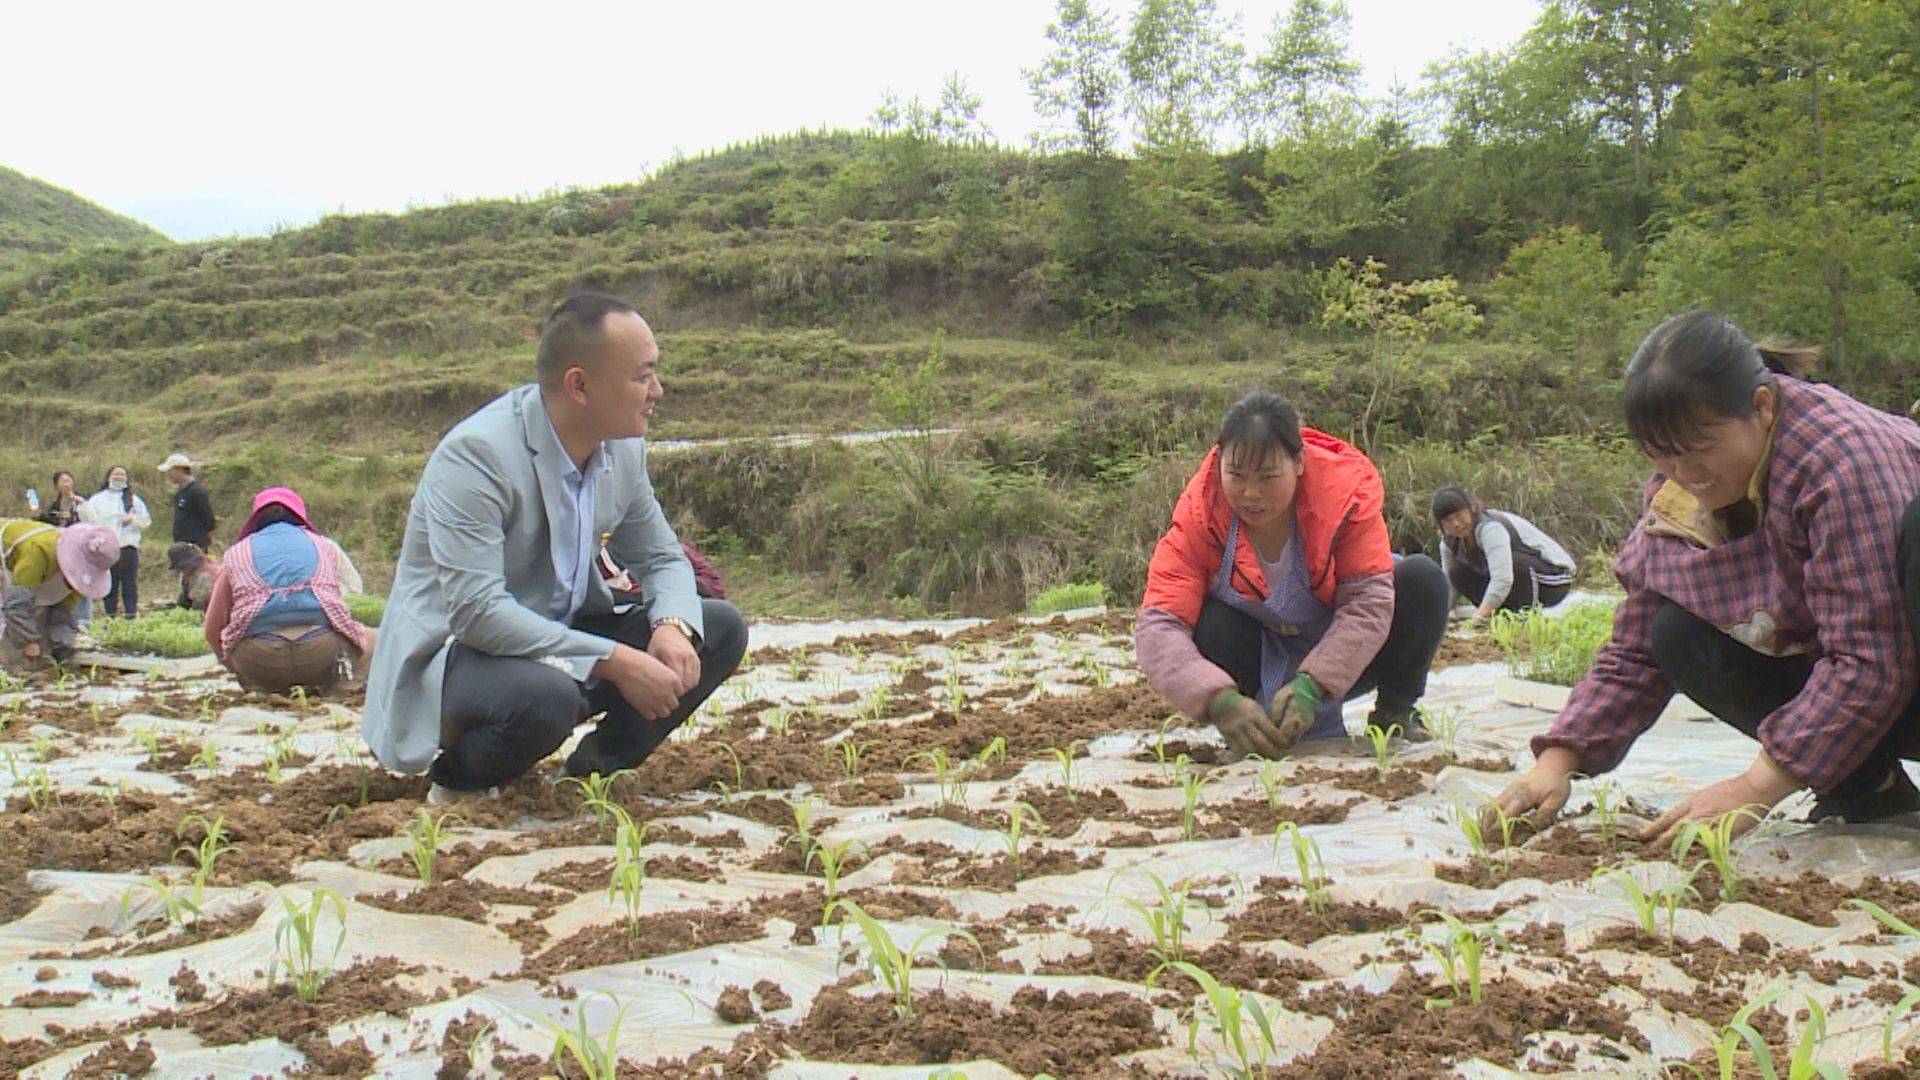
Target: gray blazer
[477,566]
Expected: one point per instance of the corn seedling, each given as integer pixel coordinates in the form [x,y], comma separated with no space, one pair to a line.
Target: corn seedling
[39,789]
[425,833]
[278,751]
[1306,857]
[576,1048]
[43,748]
[728,791]
[949,777]
[629,874]
[956,691]
[1445,726]
[1065,757]
[1488,847]
[596,794]
[1606,811]
[1716,841]
[1269,780]
[1167,919]
[1017,815]
[833,857]
[213,836]
[177,903]
[1098,672]
[1231,1011]
[889,963]
[1459,952]
[849,750]
[780,721]
[802,822]
[295,939]
[1801,1065]
[1192,783]
[994,753]
[1649,905]
[1381,740]
[208,758]
[1160,742]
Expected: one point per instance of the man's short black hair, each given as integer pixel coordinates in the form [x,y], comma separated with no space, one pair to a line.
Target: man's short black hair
[573,331]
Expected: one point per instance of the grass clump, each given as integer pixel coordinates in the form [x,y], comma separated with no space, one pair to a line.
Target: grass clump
[171,633]
[1068,597]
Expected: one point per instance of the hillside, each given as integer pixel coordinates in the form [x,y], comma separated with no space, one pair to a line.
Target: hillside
[37,218]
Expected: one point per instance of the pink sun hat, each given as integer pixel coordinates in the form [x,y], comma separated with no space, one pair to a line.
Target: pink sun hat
[275,496]
[86,554]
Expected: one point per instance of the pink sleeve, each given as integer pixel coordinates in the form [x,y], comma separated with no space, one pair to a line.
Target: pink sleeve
[1164,646]
[1362,616]
[219,607]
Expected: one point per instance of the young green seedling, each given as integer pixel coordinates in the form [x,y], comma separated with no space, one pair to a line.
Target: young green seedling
[728,791]
[208,758]
[1473,825]
[1160,742]
[425,833]
[43,748]
[596,795]
[212,845]
[892,965]
[177,902]
[1802,1065]
[992,754]
[39,790]
[1306,857]
[1606,811]
[597,1059]
[1231,1010]
[1270,781]
[1167,919]
[1459,952]
[802,822]
[849,750]
[297,935]
[1381,739]
[780,721]
[1017,816]
[1716,841]
[1446,726]
[1912,997]
[833,857]
[949,777]
[1065,758]
[629,874]
[1192,783]
[1648,905]
[956,691]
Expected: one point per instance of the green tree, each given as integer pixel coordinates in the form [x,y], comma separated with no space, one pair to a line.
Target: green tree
[1077,87]
[1182,68]
[1307,79]
[1558,291]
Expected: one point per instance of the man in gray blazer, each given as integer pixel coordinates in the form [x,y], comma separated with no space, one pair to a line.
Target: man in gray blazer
[502,633]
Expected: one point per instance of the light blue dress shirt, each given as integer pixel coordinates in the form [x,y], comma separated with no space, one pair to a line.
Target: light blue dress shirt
[573,538]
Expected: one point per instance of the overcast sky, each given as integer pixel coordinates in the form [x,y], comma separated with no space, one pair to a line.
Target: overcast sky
[208,119]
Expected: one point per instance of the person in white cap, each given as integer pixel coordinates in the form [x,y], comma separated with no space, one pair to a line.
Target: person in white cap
[192,512]
[43,573]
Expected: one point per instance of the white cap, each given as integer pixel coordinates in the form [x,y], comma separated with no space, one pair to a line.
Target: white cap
[176,460]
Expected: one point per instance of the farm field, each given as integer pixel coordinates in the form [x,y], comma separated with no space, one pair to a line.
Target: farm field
[1055,878]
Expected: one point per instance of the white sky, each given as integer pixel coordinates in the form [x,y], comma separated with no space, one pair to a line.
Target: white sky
[207,119]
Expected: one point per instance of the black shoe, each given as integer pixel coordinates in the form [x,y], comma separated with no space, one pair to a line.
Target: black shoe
[1410,721]
[1861,807]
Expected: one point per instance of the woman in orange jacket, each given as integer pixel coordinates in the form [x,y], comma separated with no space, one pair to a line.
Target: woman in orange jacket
[1274,595]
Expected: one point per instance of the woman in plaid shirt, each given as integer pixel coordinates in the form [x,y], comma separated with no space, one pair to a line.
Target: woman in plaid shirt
[1774,578]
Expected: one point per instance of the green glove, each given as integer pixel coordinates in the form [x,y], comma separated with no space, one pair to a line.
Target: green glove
[1306,693]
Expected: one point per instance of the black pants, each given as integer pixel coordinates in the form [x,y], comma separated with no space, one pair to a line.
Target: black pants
[500,715]
[1231,638]
[1742,687]
[123,592]
[1472,583]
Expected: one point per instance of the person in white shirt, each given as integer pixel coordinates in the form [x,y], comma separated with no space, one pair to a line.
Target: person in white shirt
[116,507]
[1496,559]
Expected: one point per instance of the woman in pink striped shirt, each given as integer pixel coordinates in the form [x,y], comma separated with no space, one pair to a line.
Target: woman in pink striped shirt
[1774,578]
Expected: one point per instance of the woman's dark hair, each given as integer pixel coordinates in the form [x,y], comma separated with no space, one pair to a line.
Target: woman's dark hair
[1256,426]
[1450,499]
[126,493]
[274,514]
[1695,369]
[57,474]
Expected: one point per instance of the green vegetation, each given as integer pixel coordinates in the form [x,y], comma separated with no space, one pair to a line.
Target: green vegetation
[597,1059]
[1306,858]
[1068,597]
[296,939]
[1553,648]
[172,632]
[1449,275]
[38,219]
[1232,1010]
[885,959]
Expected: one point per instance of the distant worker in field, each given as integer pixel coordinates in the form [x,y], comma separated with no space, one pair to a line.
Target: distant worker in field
[1774,578]
[1497,560]
[66,505]
[1274,595]
[44,571]
[198,571]
[116,507]
[193,520]
[502,633]
[277,616]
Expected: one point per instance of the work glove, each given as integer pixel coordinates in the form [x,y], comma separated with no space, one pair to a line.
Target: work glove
[1245,726]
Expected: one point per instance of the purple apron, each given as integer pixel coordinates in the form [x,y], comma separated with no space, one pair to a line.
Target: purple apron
[1292,619]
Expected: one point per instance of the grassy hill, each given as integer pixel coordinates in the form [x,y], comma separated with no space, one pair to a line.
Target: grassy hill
[38,219]
[792,281]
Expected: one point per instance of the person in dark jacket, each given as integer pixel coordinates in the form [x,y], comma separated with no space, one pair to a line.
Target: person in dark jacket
[64,508]
[192,514]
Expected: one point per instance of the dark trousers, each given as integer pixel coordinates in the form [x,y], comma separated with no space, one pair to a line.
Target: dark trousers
[500,715]
[1742,687]
[1231,638]
[1471,582]
[123,592]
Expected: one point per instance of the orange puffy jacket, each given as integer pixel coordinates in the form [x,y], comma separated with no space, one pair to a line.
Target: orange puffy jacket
[1338,508]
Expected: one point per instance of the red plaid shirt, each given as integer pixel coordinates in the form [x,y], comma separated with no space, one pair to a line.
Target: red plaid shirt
[1821,565]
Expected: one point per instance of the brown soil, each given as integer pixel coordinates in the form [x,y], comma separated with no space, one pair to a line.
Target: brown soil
[117,1059]
[735,1007]
[1067,1035]
[1287,918]
[1397,1034]
[1458,651]
[997,873]
[1399,782]
[771,997]
[276,1012]
[463,899]
[805,908]
[876,790]
[1116,955]
[49,999]
[653,935]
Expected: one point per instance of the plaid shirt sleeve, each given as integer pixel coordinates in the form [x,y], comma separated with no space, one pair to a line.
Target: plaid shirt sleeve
[1620,697]
[1865,672]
